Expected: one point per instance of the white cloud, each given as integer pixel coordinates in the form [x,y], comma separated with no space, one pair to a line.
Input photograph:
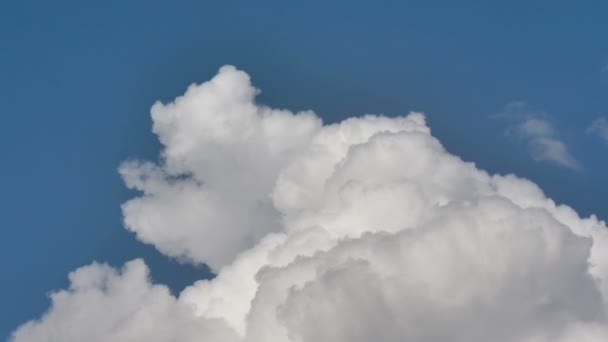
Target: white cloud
[540,135]
[362,230]
[599,127]
[230,151]
[103,304]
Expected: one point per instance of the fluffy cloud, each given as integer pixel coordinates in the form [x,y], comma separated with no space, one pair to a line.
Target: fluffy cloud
[361,230]
[209,199]
[599,127]
[103,304]
[538,132]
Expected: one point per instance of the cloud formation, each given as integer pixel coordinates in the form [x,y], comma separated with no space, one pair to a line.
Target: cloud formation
[540,136]
[362,230]
[599,127]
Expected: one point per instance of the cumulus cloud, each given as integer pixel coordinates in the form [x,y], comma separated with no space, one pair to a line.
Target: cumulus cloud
[538,132]
[103,304]
[599,127]
[361,230]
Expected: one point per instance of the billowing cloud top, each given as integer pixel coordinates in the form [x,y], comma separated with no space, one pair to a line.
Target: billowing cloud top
[364,230]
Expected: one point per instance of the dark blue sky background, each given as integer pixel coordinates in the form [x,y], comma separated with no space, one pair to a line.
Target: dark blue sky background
[77,79]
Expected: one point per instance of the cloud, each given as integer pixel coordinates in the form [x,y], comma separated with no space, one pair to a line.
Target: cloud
[103,304]
[599,127]
[367,229]
[221,158]
[540,136]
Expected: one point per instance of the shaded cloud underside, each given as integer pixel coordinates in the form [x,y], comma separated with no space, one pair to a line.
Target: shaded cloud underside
[358,231]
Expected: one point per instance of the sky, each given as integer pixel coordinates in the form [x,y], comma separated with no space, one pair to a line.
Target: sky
[515,87]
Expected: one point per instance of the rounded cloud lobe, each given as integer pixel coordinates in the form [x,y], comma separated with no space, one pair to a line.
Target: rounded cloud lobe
[361,230]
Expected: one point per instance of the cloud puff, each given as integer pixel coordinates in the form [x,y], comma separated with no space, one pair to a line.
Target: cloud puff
[599,127]
[362,230]
[222,154]
[103,304]
[541,137]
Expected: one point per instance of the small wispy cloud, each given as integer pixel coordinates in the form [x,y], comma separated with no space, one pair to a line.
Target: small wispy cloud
[535,128]
[599,127]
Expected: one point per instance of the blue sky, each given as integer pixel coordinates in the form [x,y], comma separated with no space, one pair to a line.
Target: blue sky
[77,80]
